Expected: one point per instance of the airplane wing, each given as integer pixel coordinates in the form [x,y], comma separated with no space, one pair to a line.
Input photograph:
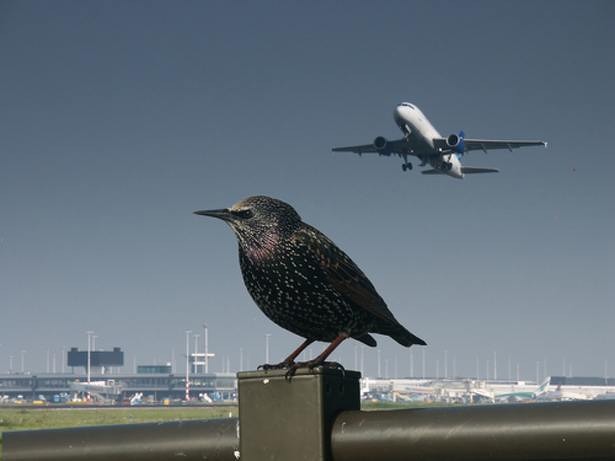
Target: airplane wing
[465,170]
[475,170]
[396,147]
[490,144]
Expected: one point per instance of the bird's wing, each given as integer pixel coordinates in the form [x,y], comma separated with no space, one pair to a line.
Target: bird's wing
[343,274]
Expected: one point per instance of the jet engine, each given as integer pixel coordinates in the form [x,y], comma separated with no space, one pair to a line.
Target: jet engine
[452,140]
[380,143]
[456,142]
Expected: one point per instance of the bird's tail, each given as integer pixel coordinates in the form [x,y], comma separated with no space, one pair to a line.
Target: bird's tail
[404,337]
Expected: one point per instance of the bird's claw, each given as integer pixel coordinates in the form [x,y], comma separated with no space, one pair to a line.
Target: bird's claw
[311,364]
[275,366]
[334,365]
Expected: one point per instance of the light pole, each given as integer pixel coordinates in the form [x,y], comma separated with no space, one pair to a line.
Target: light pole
[90,333]
[195,353]
[267,336]
[241,359]
[206,338]
[188,364]
[362,361]
[477,369]
[23,361]
[11,357]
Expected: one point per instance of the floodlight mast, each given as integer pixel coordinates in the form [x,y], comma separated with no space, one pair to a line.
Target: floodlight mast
[23,361]
[188,364]
[206,339]
[195,354]
[89,333]
[267,336]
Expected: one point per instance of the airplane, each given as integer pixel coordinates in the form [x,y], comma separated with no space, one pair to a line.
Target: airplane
[423,141]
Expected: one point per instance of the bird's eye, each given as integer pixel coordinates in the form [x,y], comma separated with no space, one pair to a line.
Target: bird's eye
[243,214]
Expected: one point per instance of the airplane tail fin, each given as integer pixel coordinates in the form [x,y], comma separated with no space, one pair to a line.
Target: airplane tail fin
[474,170]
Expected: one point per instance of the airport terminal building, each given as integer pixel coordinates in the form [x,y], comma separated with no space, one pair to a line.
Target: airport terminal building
[218,386]
[107,382]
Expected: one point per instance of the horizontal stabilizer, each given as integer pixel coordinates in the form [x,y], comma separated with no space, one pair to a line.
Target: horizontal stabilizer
[473,170]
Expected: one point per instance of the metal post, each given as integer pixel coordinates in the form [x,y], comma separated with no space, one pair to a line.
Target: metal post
[214,440]
[206,339]
[284,420]
[89,351]
[548,431]
[188,364]
[23,361]
[362,360]
[267,336]
[195,369]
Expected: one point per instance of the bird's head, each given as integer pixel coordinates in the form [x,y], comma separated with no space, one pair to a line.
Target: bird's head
[257,220]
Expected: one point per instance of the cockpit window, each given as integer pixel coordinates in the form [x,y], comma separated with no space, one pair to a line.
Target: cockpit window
[407,104]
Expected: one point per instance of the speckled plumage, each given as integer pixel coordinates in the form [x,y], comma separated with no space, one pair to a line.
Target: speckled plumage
[301,280]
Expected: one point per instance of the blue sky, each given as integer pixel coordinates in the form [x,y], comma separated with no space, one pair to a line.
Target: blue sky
[118,119]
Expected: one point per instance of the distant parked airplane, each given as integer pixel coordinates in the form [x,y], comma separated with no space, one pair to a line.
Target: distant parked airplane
[422,140]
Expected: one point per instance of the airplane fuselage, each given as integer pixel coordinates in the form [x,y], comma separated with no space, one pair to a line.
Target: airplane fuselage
[420,135]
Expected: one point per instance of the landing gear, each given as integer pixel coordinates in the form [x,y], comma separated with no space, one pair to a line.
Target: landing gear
[407,165]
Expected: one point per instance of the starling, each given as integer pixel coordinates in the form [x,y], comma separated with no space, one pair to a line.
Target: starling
[303,282]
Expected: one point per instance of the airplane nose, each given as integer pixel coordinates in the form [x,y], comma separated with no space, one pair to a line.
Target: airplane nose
[397,113]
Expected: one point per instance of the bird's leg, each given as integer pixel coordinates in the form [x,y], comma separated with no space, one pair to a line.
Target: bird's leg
[290,360]
[320,360]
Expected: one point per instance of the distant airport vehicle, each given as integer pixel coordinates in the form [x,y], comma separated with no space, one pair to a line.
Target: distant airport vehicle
[423,141]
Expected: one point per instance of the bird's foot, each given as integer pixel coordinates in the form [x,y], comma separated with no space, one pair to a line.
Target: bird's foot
[311,364]
[334,365]
[275,366]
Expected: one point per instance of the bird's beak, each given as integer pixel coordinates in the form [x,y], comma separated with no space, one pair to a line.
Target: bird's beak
[223,214]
